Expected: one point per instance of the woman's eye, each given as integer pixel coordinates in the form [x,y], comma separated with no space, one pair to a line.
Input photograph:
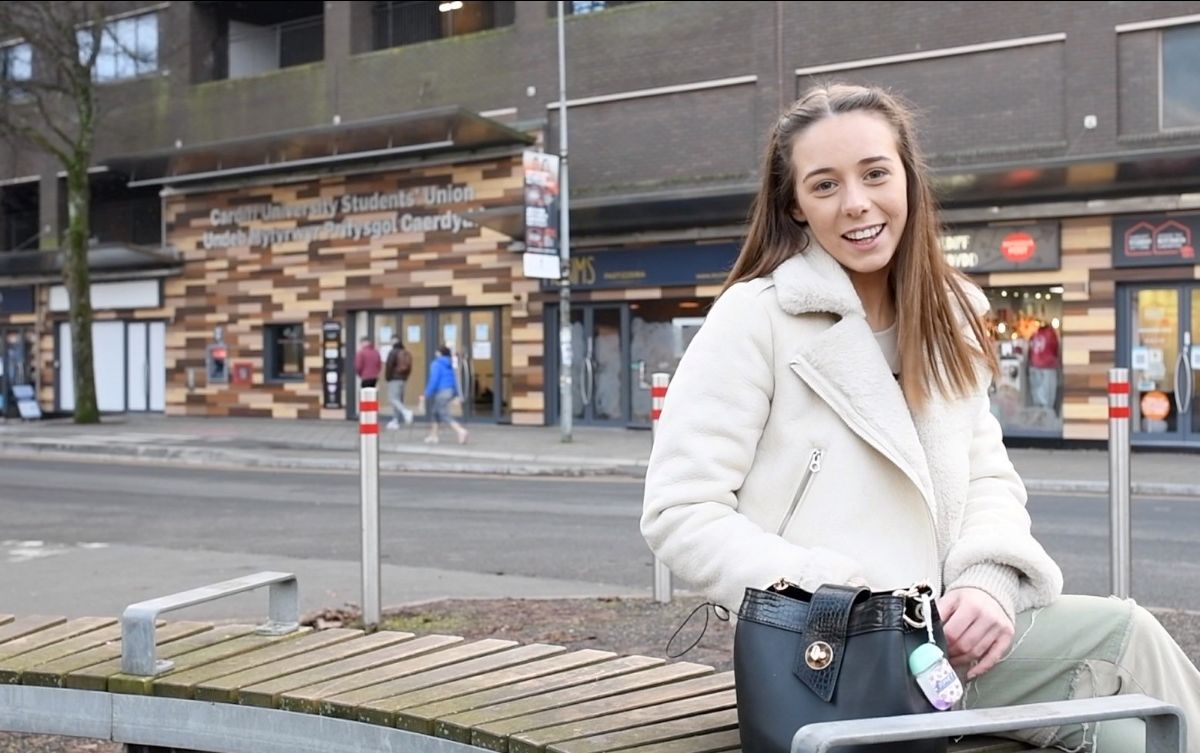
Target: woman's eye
[823,186]
[877,174]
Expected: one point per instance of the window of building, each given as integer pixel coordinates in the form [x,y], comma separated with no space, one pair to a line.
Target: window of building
[283,352]
[1181,77]
[249,39]
[401,23]
[1026,327]
[19,217]
[16,62]
[584,7]
[128,47]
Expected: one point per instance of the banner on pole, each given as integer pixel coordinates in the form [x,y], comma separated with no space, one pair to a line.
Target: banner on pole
[541,202]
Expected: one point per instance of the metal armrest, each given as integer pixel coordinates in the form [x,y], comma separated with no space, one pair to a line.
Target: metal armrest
[1166,729]
[138,652]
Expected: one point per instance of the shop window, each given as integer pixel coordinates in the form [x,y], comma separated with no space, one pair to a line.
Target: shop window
[402,23]
[1181,77]
[284,352]
[1026,327]
[128,47]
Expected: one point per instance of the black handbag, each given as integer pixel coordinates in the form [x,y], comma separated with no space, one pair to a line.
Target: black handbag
[839,653]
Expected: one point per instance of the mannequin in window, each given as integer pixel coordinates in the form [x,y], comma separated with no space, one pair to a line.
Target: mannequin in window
[1043,367]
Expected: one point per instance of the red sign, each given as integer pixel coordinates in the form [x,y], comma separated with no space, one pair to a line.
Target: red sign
[1156,405]
[243,372]
[1018,247]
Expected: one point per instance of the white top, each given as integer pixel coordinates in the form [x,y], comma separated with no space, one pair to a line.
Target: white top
[889,343]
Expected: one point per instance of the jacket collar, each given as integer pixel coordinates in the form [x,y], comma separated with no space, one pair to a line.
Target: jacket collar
[844,365]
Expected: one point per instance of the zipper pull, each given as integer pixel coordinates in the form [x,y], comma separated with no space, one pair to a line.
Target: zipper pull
[814,461]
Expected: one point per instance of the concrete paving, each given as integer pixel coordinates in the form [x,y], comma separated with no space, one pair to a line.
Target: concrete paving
[492,449]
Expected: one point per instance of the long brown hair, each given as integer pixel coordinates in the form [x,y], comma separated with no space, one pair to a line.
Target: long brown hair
[935,353]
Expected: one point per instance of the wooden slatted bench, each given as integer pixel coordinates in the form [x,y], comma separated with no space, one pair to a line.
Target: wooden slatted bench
[242,689]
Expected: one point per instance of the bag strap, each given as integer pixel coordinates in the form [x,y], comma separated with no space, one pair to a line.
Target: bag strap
[823,641]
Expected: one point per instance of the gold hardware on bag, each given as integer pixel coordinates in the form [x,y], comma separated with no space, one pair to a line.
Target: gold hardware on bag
[818,655]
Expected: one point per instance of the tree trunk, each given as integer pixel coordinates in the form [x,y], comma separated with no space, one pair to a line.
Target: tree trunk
[78,282]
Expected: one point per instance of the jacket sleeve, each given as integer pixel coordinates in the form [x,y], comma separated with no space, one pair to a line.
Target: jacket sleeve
[995,550]
[704,446]
[432,383]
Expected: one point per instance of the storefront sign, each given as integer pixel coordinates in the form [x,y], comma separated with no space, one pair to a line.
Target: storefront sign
[328,218]
[655,266]
[331,358]
[16,300]
[1003,249]
[541,202]
[1155,241]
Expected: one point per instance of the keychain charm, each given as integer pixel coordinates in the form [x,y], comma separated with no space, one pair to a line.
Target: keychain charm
[932,671]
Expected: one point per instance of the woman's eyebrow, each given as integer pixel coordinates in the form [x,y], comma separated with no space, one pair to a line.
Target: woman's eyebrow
[861,162]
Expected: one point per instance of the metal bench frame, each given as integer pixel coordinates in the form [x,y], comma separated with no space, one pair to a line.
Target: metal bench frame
[229,728]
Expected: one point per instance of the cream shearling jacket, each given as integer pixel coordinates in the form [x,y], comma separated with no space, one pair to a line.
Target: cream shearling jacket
[786,449]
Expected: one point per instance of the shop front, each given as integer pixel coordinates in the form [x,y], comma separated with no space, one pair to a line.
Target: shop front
[285,275]
[18,342]
[1017,266]
[633,313]
[1159,325]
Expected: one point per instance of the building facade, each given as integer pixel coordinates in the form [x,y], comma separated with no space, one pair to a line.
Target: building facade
[283,180]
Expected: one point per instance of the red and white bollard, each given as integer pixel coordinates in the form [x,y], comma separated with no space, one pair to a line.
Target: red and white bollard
[368,458]
[658,395]
[1120,533]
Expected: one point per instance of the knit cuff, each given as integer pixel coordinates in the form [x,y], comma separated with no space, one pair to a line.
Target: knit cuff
[998,581]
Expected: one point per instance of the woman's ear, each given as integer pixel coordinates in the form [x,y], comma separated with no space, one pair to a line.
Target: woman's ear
[797,215]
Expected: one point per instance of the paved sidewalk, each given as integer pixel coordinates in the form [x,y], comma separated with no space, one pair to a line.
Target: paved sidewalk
[492,449]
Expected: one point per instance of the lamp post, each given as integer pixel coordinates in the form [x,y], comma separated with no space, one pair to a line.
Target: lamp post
[565,409]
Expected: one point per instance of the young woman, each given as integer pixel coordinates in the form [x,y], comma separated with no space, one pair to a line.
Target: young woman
[830,424]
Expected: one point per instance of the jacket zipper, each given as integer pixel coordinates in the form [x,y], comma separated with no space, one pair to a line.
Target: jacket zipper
[869,436]
[810,473]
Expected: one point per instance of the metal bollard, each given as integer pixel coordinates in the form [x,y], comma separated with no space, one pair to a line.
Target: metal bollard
[658,394]
[368,463]
[1119,481]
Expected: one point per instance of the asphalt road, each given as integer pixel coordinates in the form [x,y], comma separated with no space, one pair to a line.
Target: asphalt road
[84,537]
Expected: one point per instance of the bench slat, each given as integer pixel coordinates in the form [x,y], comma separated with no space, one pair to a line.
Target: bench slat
[246,644]
[633,722]
[713,742]
[183,684]
[495,735]
[470,655]
[499,679]
[22,626]
[622,665]
[228,688]
[52,673]
[96,676]
[312,699]
[390,697]
[303,692]
[11,668]
[459,727]
[5,619]
[53,635]
[680,729]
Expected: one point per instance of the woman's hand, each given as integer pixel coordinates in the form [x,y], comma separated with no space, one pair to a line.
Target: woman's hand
[978,632]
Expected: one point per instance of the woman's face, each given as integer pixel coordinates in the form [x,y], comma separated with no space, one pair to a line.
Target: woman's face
[851,189]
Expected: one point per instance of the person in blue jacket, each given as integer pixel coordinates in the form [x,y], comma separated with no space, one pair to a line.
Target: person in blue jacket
[440,391]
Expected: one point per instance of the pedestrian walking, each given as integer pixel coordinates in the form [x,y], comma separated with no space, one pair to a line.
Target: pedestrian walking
[440,392]
[396,371]
[829,424]
[367,363]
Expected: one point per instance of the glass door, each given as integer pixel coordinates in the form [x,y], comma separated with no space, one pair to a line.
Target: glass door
[1164,360]
[16,366]
[472,337]
[598,376]
[659,333]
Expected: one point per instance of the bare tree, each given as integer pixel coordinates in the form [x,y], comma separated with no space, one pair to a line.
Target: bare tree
[48,101]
